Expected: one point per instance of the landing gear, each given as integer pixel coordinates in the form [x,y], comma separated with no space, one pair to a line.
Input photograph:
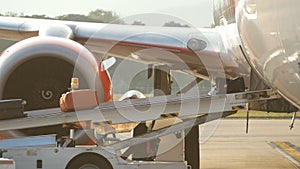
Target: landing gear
[162,84]
[89,161]
[293,121]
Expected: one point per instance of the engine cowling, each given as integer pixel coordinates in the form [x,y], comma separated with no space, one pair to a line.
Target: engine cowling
[39,70]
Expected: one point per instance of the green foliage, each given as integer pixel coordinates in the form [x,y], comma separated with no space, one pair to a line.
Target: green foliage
[13,14]
[98,15]
[138,23]
[103,16]
[73,17]
[262,114]
[37,16]
[174,24]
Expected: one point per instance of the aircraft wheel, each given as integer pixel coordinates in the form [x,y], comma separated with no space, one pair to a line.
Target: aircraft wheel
[89,161]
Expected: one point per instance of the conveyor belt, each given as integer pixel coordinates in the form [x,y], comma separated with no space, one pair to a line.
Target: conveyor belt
[135,110]
[186,124]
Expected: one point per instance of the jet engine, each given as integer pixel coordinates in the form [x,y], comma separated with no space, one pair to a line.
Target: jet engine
[39,70]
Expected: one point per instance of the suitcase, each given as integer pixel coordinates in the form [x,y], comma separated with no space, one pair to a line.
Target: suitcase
[10,109]
[78,100]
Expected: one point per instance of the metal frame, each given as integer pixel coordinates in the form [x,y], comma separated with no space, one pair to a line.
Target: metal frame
[207,108]
[139,109]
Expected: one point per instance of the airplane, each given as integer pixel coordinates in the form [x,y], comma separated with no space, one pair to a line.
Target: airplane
[254,40]
[226,51]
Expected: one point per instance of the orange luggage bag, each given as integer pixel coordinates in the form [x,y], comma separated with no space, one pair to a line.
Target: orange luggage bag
[78,100]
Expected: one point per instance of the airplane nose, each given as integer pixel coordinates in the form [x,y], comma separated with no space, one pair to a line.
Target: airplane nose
[271,40]
[283,73]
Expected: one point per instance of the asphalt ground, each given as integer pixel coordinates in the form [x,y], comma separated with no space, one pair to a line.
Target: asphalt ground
[270,144]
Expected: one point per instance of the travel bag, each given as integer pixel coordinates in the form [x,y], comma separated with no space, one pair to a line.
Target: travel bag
[78,100]
[10,109]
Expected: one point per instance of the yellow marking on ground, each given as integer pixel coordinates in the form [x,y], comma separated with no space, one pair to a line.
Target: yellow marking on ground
[170,115]
[103,123]
[237,107]
[289,150]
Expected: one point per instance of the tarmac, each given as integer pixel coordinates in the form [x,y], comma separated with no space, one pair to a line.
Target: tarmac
[270,144]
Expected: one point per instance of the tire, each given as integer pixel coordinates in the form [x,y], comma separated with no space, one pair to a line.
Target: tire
[89,161]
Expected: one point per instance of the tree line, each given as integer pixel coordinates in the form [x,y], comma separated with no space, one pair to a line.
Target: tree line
[98,16]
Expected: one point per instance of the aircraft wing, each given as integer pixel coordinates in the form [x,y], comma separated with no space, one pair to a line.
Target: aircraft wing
[191,50]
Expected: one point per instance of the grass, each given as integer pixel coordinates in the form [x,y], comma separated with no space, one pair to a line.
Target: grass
[253,113]
[262,114]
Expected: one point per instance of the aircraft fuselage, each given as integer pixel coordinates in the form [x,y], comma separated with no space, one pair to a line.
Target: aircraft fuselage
[270,36]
